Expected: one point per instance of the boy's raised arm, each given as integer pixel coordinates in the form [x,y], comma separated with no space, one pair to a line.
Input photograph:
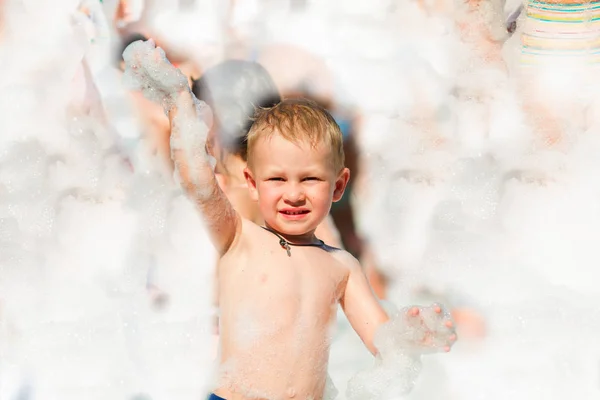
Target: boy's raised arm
[189,119]
[148,70]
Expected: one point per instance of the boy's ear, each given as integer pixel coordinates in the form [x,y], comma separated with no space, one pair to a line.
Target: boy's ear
[340,184]
[251,184]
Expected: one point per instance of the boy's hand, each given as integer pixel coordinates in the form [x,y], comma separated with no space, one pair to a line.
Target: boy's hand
[148,70]
[417,330]
[400,342]
[431,328]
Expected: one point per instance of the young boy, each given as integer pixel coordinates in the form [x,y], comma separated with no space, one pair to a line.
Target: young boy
[278,284]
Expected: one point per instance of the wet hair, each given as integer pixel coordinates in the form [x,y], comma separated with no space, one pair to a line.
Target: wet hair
[299,120]
[234,89]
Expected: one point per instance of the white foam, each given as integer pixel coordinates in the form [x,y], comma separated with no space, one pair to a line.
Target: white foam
[76,251]
[519,247]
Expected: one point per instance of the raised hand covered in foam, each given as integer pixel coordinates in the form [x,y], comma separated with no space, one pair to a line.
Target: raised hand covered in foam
[148,70]
[400,342]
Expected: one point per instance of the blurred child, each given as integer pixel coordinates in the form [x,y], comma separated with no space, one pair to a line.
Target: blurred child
[556,63]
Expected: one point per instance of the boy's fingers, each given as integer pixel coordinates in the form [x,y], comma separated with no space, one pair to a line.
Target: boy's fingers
[413,312]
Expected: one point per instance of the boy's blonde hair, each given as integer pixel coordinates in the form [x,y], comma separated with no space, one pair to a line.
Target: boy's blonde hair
[298,120]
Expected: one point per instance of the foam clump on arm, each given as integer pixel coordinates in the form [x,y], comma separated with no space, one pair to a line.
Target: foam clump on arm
[400,342]
[188,145]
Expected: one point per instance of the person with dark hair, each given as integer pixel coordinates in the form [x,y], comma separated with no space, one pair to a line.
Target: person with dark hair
[234,89]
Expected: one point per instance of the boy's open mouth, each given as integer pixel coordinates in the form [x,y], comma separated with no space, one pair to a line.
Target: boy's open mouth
[294,212]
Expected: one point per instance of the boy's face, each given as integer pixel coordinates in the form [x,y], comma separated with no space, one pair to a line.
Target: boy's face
[294,184]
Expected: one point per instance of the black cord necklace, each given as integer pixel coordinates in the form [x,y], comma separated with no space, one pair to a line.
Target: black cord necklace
[286,245]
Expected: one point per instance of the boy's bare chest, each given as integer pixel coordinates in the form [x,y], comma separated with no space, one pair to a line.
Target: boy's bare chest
[269,274]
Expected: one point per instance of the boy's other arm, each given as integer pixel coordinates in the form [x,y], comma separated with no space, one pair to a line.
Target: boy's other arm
[361,306]
[196,173]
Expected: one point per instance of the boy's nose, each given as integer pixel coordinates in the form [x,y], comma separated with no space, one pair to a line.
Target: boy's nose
[294,194]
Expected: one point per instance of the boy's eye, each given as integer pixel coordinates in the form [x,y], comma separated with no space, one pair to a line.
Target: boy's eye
[275,179]
[311,178]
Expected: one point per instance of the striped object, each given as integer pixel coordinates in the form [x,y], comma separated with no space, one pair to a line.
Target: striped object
[566,31]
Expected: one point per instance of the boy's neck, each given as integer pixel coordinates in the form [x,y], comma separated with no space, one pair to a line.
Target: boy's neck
[306,238]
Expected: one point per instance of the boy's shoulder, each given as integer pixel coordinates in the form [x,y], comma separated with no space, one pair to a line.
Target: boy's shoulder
[344,257]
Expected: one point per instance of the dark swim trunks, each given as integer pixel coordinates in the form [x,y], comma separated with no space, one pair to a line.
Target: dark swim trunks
[214,397]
